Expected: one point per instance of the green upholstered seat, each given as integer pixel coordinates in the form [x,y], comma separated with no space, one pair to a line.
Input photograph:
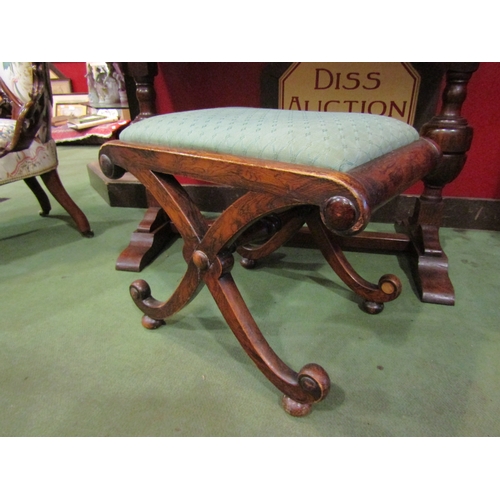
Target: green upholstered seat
[340,141]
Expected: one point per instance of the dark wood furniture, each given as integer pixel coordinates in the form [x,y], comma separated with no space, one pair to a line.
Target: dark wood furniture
[418,236]
[279,199]
[154,231]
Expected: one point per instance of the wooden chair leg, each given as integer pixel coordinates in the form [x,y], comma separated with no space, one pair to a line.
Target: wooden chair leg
[53,182]
[40,194]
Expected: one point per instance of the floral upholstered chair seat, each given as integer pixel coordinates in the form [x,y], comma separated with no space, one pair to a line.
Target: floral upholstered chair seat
[27,149]
[37,159]
[40,156]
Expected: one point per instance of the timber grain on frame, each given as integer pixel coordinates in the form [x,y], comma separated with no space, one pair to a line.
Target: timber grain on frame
[280,198]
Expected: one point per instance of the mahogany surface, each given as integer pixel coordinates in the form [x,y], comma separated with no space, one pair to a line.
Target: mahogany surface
[418,237]
[279,200]
[154,232]
[453,135]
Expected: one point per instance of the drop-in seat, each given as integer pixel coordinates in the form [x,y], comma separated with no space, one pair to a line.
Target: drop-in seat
[329,171]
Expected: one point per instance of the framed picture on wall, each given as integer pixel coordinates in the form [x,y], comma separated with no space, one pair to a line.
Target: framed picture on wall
[70,105]
[58,82]
[61,86]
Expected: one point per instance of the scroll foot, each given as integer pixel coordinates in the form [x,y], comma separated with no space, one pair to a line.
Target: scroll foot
[314,380]
[248,263]
[150,323]
[372,307]
[295,408]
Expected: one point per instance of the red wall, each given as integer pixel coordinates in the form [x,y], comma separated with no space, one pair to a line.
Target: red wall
[75,71]
[480,177]
[184,86]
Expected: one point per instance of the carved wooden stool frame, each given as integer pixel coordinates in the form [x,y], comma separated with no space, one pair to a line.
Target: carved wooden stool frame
[280,198]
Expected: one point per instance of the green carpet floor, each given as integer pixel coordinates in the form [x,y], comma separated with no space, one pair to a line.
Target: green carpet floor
[75,360]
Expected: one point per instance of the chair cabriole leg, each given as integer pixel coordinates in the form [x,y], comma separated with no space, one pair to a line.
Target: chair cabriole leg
[54,185]
[40,194]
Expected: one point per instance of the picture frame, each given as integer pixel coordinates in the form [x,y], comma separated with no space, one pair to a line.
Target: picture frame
[61,86]
[71,105]
[55,73]
[58,82]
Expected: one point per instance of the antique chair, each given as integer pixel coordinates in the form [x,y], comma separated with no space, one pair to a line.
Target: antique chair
[26,147]
[330,171]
